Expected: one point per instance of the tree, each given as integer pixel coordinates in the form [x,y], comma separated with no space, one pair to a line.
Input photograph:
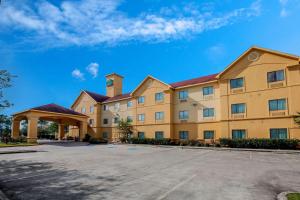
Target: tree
[5,125]
[53,128]
[126,130]
[24,126]
[297,119]
[5,82]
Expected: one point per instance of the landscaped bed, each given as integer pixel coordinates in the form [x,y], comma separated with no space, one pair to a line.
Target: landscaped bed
[254,143]
[293,196]
[2,145]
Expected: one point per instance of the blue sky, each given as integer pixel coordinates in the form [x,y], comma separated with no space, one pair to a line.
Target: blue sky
[56,48]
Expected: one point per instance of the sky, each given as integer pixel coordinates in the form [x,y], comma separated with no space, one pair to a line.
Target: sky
[57,48]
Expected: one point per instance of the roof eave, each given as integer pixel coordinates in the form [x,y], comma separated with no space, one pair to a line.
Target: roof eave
[43,111]
[197,84]
[104,102]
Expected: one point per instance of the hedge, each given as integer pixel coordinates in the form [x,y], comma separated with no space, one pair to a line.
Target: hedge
[153,141]
[260,143]
[97,141]
[225,142]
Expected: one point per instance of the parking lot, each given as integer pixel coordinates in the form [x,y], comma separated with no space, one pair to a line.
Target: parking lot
[80,171]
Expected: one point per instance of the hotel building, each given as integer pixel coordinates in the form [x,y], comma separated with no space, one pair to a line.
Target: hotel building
[256,96]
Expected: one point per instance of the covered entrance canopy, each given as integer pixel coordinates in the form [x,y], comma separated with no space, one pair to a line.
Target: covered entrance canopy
[50,112]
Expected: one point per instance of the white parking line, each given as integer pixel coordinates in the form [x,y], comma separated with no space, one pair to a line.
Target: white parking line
[176,187]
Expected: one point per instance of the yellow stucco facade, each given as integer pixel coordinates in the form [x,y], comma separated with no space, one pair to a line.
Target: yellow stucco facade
[212,115]
[256,96]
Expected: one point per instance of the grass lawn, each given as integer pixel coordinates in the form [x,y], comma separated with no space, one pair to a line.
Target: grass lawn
[293,196]
[2,145]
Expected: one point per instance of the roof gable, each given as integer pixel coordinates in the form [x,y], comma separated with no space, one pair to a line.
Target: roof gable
[97,98]
[286,55]
[144,82]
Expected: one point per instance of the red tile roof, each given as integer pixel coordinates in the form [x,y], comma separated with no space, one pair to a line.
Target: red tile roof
[118,97]
[193,81]
[102,98]
[57,109]
[97,97]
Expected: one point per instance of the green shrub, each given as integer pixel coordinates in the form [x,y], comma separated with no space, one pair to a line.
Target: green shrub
[260,143]
[97,141]
[21,139]
[152,141]
[70,138]
[86,138]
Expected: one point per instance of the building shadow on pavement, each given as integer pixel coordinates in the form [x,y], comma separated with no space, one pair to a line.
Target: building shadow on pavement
[37,180]
[64,143]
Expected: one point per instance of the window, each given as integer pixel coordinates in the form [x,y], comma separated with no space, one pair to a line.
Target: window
[105,135]
[208,90]
[129,104]
[105,107]
[238,108]
[83,110]
[91,122]
[208,135]
[129,119]
[141,135]
[183,114]
[238,134]
[105,121]
[91,109]
[183,95]
[159,115]
[117,106]
[208,112]
[237,83]
[183,135]
[278,133]
[275,76]
[159,135]
[277,104]
[141,117]
[159,96]
[141,99]
[116,120]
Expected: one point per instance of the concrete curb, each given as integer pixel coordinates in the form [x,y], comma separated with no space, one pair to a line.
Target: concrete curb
[20,151]
[223,149]
[283,195]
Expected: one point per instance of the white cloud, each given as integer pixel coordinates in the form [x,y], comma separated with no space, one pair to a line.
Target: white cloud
[76,73]
[217,50]
[216,53]
[94,22]
[283,12]
[93,69]
[283,2]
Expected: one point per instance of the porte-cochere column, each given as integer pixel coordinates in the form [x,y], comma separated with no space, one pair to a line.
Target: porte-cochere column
[15,132]
[82,129]
[32,129]
[61,131]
